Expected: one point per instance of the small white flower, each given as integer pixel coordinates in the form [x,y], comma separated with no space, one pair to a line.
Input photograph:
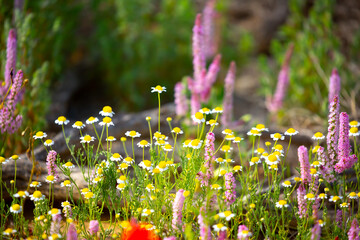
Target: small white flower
[281,204]
[87,139]
[40,135]
[21,194]
[227,215]
[116,157]
[132,134]
[219,227]
[107,112]
[15,208]
[62,120]
[146,212]
[92,120]
[158,89]
[78,125]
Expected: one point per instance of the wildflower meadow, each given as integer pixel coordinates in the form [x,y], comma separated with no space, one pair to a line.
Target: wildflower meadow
[191,171]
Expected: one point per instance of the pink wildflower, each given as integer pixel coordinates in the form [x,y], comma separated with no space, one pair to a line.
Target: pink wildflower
[50,164]
[205,231]
[10,66]
[198,54]
[354,231]
[170,238]
[338,218]
[334,85]
[304,164]
[93,227]
[333,133]
[222,235]
[243,233]
[316,232]
[325,169]
[209,15]
[209,78]
[227,115]
[55,224]
[301,192]
[72,233]
[177,209]
[181,102]
[230,193]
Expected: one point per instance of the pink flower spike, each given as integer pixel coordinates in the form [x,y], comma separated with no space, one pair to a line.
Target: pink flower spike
[181,102]
[354,231]
[227,115]
[334,85]
[198,52]
[177,209]
[93,227]
[10,61]
[304,164]
[209,78]
[209,15]
[72,233]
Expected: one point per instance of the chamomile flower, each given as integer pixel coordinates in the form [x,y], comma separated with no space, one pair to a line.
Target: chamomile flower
[291,132]
[110,139]
[54,211]
[229,137]
[177,130]
[49,142]
[244,234]
[143,143]
[107,112]
[162,166]
[227,215]
[3,160]
[14,157]
[121,179]
[78,125]
[273,167]
[160,142]
[237,140]
[15,208]
[212,122]
[196,143]
[198,118]
[335,198]
[318,136]
[277,136]
[167,148]
[129,160]
[314,172]
[155,171]
[259,151]
[186,193]
[281,204]
[321,222]
[219,227]
[278,148]
[253,132]
[35,184]
[237,168]
[37,196]
[205,111]
[297,179]
[354,132]
[116,157]
[123,166]
[84,191]
[309,196]
[68,165]
[229,160]
[322,196]
[255,160]
[87,139]
[286,184]
[92,120]
[261,128]
[121,186]
[146,212]
[50,179]
[97,179]
[61,120]
[272,159]
[352,195]
[217,110]
[150,187]
[9,231]
[220,160]
[227,132]
[344,205]
[21,194]
[40,135]
[66,183]
[132,134]
[222,172]
[89,195]
[158,89]
[55,236]
[146,164]
[354,124]
[187,143]
[226,148]
[216,186]
[106,121]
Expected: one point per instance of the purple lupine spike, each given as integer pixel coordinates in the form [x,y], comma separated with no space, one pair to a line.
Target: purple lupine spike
[354,230]
[304,164]
[230,193]
[210,78]
[198,53]
[275,103]
[205,231]
[55,224]
[10,61]
[339,217]
[316,232]
[9,122]
[301,201]
[51,166]
[222,235]
[72,233]
[345,161]
[177,209]
[333,133]
[209,15]
[227,115]
[334,85]
[243,233]
[326,169]
[181,102]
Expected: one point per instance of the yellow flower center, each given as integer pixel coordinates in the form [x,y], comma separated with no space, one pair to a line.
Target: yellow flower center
[316,163]
[67,182]
[220,225]
[39,134]
[212,121]
[116,155]
[215,186]
[222,171]
[21,193]
[272,158]
[159,88]
[107,120]
[150,186]
[85,190]
[122,178]
[260,126]
[225,148]
[15,157]
[199,115]
[237,168]
[156,171]
[278,147]
[313,171]
[254,131]
[282,202]
[227,213]
[89,195]
[195,142]
[132,133]
[123,139]
[50,178]
[353,123]
[90,119]
[354,130]
[260,150]
[100,171]
[16,207]
[68,164]
[287,183]
[228,131]
[78,123]
[321,195]
[177,130]
[168,147]
[37,194]
[218,109]
[186,193]
[61,119]
[124,165]
[187,142]
[352,194]
[277,135]
[2,159]
[54,211]
[318,135]
[310,196]
[254,159]
[205,110]
[49,141]
[335,198]
[144,142]
[245,232]
[291,130]
[107,109]
[55,236]
[8,230]
[147,163]
[121,185]
[35,183]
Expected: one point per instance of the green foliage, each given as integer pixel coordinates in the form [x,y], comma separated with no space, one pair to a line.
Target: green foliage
[316,53]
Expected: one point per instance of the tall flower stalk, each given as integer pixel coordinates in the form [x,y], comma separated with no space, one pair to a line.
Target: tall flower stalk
[227,115]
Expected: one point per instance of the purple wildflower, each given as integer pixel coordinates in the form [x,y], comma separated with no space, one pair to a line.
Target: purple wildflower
[170,238]
[9,122]
[67,211]
[316,204]
[10,61]
[55,224]
[230,193]
[338,218]
[72,233]
[334,85]
[227,115]
[345,161]
[326,167]
[209,15]
[304,164]
[222,235]
[316,232]
[209,78]
[181,102]
[301,192]
[333,133]
[195,103]
[275,103]
[354,231]
[209,158]
[177,209]
[51,166]
[243,233]
[93,227]
[205,231]
[199,62]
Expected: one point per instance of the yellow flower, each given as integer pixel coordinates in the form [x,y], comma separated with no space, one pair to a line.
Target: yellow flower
[49,142]
[198,118]
[281,204]
[318,136]
[78,125]
[132,134]
[291,132]
[158,89]
[40,135]
[107,112]
[15,208]
[61,120]
[106,121]
[92,120]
